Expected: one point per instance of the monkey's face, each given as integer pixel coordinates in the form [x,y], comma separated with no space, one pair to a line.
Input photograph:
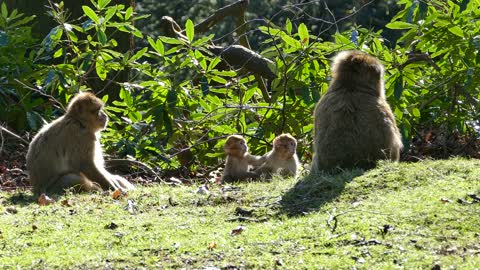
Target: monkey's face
[102,119]
[88,110]
[285,145]
[96,118]
[236,146]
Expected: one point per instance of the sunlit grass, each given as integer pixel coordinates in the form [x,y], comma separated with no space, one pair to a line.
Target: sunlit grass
[396,216]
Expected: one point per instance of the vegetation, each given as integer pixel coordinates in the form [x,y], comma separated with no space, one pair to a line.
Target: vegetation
[420,215]
[180,100]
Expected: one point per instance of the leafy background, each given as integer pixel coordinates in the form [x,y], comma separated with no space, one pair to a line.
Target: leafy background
[172,102]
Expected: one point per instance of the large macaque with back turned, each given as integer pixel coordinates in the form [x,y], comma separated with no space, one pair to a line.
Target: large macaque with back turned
[354,125]
[282,159]
[239,161]
[67,153]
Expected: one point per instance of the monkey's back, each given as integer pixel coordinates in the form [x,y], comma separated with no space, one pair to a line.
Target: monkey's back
[53,151]
[353,128]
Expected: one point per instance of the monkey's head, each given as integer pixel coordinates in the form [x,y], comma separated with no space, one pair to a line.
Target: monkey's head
[235,146]
[285,145]
[357,67]
[87,108]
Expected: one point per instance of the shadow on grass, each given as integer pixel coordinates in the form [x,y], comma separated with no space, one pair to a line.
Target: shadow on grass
[21,198]
[314,190]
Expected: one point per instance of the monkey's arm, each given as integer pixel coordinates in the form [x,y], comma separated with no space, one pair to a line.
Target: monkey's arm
[99,175]
[255,160]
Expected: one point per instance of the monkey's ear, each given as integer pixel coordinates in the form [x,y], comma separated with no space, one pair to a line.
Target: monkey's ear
[357,59]
[75,108]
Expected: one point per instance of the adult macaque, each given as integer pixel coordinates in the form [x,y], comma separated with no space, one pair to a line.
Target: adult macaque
[67,153]
[237,165]
[282,159]
[354,125]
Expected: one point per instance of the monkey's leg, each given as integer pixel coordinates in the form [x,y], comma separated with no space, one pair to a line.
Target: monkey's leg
[122,183]
[72,180]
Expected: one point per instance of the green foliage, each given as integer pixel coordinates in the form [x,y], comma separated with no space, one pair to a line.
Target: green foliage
[16,64]
[180,100]
[445,90]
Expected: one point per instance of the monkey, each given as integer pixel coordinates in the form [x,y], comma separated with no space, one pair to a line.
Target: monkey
[282,158]
[354,126]
[67,153]
[239,160]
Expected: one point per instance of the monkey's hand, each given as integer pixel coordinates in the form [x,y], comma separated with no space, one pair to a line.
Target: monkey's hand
[255,160]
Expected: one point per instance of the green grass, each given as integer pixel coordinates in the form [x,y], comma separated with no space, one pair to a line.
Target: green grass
[411,216]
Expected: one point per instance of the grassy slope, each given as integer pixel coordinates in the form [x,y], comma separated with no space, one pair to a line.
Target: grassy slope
[398,215]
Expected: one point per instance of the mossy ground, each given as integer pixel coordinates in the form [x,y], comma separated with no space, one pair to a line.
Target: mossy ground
[406,215]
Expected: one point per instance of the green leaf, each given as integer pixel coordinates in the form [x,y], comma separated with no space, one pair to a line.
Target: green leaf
[139,54]
[34,120]
[109,13]
[172,98]
[411,10]
[103,3]
[291,41]
[398,88]
[126,97]
[215,100]
[190,29]
[58,53]
[463,5]
[204,85]
[456,30]
[398,113]
[400,25]
[159,47]
[288,26]
[102,38]
[249,94]
[90,13]
[303,33]
[50,78]
[213,63]
[219,79]
[170,40]
[101,72]
[4,10]
[416,112]
[224,129]
[305,92]
[87,62]
[128,13]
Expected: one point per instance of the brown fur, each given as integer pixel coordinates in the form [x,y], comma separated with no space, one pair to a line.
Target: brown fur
[67,152]
[354,125]
[239,160]
[283,157]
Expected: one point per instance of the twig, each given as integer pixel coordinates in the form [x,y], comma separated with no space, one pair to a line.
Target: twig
[1,145]
[128,163]
[50,97]
[418,57]
[13,135]
[263,219]
[335,220]
[236,9]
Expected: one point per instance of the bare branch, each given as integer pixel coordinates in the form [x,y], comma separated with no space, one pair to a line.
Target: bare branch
[11,133]
[418,57]
[236,9]
[237,55]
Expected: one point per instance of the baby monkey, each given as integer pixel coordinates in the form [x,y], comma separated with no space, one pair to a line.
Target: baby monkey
[282,159]
[239,160]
